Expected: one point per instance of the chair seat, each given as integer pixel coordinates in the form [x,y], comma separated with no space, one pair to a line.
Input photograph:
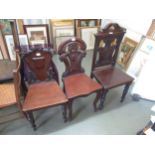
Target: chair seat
[7,95]
[42,95]
[80,84]
[112,77]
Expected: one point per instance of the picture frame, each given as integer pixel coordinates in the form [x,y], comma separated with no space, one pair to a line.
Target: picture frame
[126,52]
[136,66]
[151,31]
[7,27]
[1,54]
[34,21]
[3,46]
[87,35]
[37,35]
[59,40]
[23,40]
[10,46]
[20,26]
[148,45]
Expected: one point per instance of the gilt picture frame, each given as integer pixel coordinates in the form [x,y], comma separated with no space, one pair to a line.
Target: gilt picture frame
[126,52]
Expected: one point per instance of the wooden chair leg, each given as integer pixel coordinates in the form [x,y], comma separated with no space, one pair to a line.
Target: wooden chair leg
[96,100]
[125,91]
[32,121]
[26,116]
[65,112]
[70,109]
[102,99]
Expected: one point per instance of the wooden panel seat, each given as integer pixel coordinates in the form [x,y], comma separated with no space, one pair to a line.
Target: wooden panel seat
[43,95]
[112,77]
[76,82]
[80,85]
[104,70]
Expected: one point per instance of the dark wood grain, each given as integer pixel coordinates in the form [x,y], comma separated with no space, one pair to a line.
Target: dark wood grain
[40,66]
[107,43]
[71,53]
[76,82]
[43,90]
[80,85]
[43,95]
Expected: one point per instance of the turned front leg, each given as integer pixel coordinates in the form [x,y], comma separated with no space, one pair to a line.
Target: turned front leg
[32,121]
[70,109]
[98,94]
[125,91]
[102,99]
[64,108]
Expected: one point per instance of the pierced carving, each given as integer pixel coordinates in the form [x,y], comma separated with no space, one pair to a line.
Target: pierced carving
[71,53]
[107,45]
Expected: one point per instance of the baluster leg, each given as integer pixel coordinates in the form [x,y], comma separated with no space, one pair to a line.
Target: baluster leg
[32,121]
[102,99]
[125,91]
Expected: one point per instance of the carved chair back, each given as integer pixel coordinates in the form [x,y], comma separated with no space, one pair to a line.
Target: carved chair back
[107,43]
[71,53]
[39,66]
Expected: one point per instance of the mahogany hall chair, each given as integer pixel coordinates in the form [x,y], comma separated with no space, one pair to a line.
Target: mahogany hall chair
[107,43]
[10,95]
[43,89]
[76,82]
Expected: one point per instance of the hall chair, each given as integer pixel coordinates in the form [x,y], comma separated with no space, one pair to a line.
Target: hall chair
[76,82]
[10,96]
[43,90]
[104,69]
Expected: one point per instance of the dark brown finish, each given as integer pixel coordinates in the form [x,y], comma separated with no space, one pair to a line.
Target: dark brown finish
[107,43]
[15,33]
[42,95]
[40,66]
[71,53]
[10,93]
[76,82]
[45,91]
[79,85]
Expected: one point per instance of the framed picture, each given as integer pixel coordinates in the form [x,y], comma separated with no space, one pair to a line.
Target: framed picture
[10,46]
[23,40]
[148,45]
[59,40]
[88,36]
[35,21]
[37,34]
[1,54]
[62,32]
[151,31]
[20,27]
[3,47]
[139,60]
[7,26]
[127,49]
